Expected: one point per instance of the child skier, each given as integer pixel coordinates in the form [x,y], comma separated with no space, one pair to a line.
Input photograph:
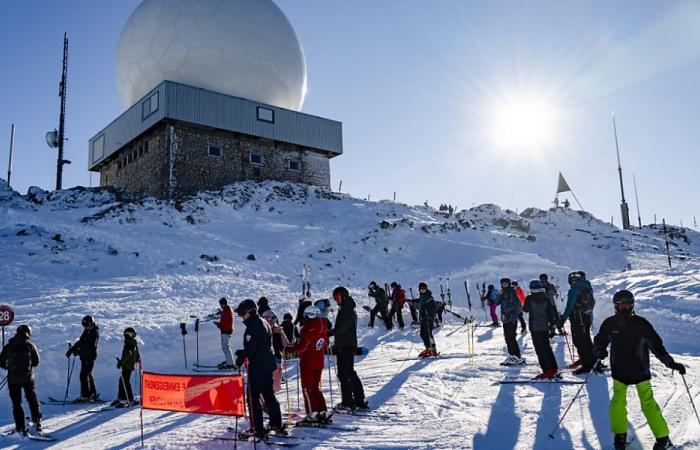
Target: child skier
[510,309]
[541,315]
[427,319]
[521,296]
[631,337]
[491,296]
[127,363]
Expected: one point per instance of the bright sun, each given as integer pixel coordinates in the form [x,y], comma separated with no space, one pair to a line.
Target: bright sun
[522,123]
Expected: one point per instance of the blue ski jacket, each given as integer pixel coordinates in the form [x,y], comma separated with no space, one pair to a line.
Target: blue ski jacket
[510,305]
[574,292]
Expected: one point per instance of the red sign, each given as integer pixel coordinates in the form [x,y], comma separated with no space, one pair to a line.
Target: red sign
[198,394]
[7,315]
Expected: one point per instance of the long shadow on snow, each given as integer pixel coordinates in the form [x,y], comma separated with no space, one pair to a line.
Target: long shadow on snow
[548,417]
[504,424]
[598,405]
[87,421]
[179,422]
[391,387]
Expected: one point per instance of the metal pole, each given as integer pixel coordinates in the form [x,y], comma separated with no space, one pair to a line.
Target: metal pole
[340,186]
[636,198]
[668,250]
[623,206]
[62,117]
[9,164]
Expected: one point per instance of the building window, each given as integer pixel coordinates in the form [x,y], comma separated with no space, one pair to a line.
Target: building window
[266,115]
[256,159]
[294,166]
[214,151]
[98,148]
[149,106]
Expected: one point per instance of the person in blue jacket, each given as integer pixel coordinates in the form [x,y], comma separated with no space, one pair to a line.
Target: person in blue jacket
[510,310]
[579,311]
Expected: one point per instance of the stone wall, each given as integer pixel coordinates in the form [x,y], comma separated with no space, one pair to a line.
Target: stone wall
[194,169]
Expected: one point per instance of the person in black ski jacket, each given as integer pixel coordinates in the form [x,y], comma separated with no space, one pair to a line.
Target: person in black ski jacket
[580,315]
[290,330]
[427,320]
[19,357]
[381,305]
[541,314]
[86,350]
[551,292]
[260,360]
[344,332]
[263,305]
[631,337]
[510,310]
[127,364]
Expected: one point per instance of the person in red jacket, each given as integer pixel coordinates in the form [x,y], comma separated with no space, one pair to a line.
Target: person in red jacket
[521,296]
[311,348]
[225,325]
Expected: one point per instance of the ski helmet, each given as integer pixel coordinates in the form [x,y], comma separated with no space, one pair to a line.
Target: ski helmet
[536,287]
[87,321]
[623,297]
[323,305]
[246,306]
[223,301]
[505,281]
[372,285]
[287,316]
[582,274]
[25,330]
[574,277]
[491,287]
[422,285]
[514,283]
[393,284]
[543,277]
[340,293]
[269,315]
[262,301]
[129,332]
[312,313]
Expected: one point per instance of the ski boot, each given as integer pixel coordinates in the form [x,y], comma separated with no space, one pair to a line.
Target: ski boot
[277,431]
[433,353]
[510,361]
[574,364]
[324,418]
[551,374]
[37,425]
[363,406]
[620,441]
[424,353]
[542,376]
[663,443]
[342,407]
[582,370]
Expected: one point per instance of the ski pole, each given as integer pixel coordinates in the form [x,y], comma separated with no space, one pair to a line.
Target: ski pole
[330,380]
[3,383]
[196,333]
[250,398]
[286,388]
[126,394]
[183,331]
[568,345]
[691,398]
[69,375]
[298,386]
[585,382]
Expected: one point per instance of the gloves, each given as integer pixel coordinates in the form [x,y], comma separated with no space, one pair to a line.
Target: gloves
[601,354]
[69,353]
[677,366]
[119,363]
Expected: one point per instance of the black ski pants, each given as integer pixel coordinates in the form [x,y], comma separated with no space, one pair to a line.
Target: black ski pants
[383,314]
[15,390]
[581,336]
[260,385]
[439,310]
[87,382]
[396,310]
[125,392]
[426,333]
[510,331]
[351,390]
[523,326]
[545,355]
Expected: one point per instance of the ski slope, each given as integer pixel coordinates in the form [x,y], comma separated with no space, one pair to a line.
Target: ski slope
[152,265]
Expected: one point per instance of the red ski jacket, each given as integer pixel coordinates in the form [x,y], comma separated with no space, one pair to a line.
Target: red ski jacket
[521,295]
[226,323]
[313,342]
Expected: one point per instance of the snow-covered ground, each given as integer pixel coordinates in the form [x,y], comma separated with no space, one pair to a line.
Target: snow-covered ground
[152,265]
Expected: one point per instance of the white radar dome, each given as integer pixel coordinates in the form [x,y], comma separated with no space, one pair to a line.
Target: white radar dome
[245,48]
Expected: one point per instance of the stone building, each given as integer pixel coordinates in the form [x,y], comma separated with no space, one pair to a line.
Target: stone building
[179,140]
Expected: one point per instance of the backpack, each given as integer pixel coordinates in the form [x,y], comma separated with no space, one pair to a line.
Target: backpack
[585,301]
[19,362]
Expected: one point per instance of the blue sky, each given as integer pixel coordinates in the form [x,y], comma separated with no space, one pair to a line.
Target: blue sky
[415,84]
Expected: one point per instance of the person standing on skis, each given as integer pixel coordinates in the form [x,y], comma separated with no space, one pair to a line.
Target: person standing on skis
[86,349]
[427,320]
[551,292]
[510,310]
[127,364]
[19,357]
[381,305]
[631,337]
[541,313]
[579,311]
[398,298]
[313,342]
[521,296]
[491,296]
[225,326]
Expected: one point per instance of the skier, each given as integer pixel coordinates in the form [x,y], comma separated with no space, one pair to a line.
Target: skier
[541,313]
[491,296]
[345,333]
[551,292]
[279,342]
[510,310]
[290,330]
[381,303]
[259,359]
[225,326]
[311,349]
[263,305]
[427,319]
[398,298]
[19,357]
[86,349]
[127,364]
[631,337]
[521,296]
[579,311]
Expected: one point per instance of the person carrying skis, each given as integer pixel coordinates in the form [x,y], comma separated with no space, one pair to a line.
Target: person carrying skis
[427,319]
[311,349]
[491,296]
[290,330]
[398,298]
[521,296]
[260,361]
[225,326]
[86,349]
[551,292]
[510,310]
[344,332]
[541,313]
[127,364]
[579,311]
[381,304]
[630,338]
[19,357]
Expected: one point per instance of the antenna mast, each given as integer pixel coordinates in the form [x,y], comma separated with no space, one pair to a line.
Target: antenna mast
[624,208]
[62,87]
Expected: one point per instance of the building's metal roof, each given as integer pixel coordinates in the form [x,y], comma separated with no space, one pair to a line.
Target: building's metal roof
[170,100]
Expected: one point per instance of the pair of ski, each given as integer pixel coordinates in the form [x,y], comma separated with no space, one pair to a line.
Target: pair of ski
[423,358]
[56,402]
[210,369]
[358,413]
[555,380]
[34,436]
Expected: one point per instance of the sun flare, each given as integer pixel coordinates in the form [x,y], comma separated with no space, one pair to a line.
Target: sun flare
[522,123]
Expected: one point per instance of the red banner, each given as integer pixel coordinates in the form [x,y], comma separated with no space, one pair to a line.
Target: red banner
[199,394]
